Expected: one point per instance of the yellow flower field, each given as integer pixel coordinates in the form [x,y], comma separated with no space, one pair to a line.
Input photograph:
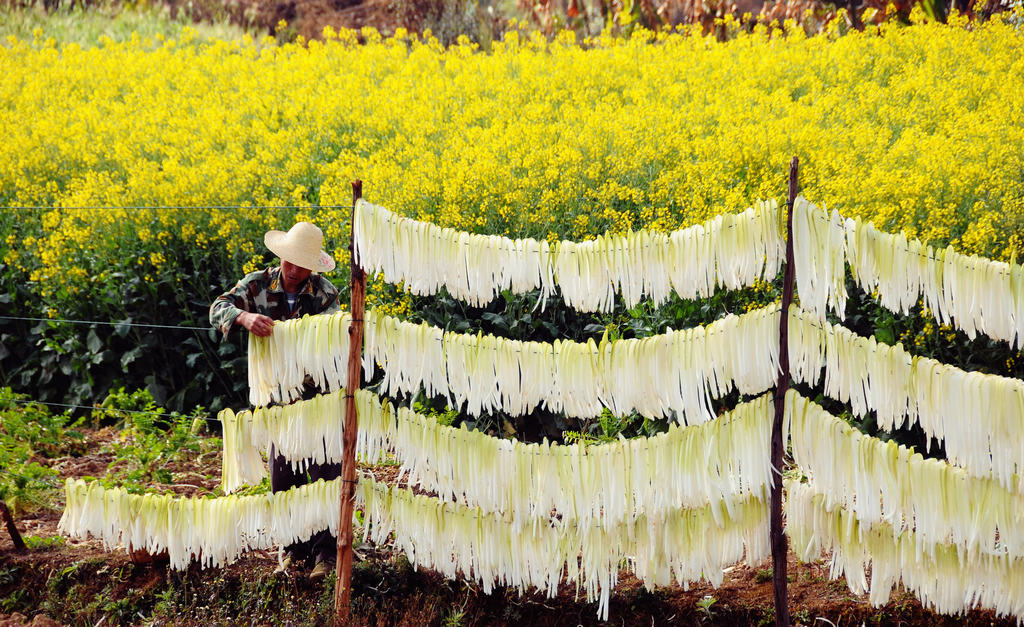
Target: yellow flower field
[916,128]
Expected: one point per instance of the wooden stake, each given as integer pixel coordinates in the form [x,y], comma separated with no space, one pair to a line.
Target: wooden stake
[780,545]
[357,286]
[19,544]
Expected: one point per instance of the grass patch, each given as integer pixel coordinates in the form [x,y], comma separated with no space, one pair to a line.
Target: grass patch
[87,26]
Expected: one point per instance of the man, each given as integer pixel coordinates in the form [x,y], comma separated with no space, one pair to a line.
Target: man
[280,293]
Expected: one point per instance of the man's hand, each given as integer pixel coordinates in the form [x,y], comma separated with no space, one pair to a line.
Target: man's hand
[258,324]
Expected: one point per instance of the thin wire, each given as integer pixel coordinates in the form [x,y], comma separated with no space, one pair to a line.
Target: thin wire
[114,324]
[97,408]
[193,207]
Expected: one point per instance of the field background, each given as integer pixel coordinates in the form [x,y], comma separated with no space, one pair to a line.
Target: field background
[916,128]
[146,153]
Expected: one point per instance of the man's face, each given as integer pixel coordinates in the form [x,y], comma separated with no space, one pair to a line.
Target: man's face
[292,275]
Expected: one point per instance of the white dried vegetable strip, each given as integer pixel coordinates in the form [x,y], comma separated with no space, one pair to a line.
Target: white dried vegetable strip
[944,577]
[242,463]
[978,417]
[473,268]
[819,251]
[732,251]
[675,374]
[305,430]
[974,294]
[213,532]
[686,545]
[721,462]
[311,346]
[881,482]
[971,293]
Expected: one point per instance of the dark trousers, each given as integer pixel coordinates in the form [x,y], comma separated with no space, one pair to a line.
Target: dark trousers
[323,545]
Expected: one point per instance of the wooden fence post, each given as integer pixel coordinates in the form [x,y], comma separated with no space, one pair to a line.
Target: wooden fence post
[357,286]
[779,543]
[8,520]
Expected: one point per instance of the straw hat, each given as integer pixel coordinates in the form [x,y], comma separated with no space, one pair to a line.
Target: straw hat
[302,245]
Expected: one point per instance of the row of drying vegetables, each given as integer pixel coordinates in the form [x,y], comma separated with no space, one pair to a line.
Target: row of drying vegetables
[680,505]
[731,251]
[978,417]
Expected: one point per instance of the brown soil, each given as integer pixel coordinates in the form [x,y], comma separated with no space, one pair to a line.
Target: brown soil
[306,18]
[56,583]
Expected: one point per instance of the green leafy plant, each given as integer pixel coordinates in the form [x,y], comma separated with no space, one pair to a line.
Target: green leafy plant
[444,416]
[43,542]
[454,618]
[33,426]
[150,439]
[28,486]
[29,434]
[704,605]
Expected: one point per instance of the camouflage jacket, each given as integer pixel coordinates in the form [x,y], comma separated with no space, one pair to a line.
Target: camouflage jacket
[262,293]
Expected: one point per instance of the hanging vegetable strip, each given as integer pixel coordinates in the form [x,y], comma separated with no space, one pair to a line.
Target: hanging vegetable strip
[306,430]
[720,463]
[944,577]
[312,345]
[819,259]
[673,375]
[213,532]
[978,417]
[974,294]
[731,250]
[686,545]
[881,482]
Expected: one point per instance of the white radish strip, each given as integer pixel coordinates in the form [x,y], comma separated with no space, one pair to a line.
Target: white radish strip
[733,251]
[882,482]
[686,545]
[979,418]
[944,577]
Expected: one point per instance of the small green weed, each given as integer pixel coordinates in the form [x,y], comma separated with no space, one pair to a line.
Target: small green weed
[609,427]
[15,601]
[444,416]
[150,439]
[763,575]
[26,486]
[29,433]
[455,617]
[32,426]
[43,543]
[765,617]
[704,605]
[8,575]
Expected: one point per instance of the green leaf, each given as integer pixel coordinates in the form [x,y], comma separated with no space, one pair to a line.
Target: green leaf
[93,342]
[885,334]
[123,327]
[496,319]
[130,356]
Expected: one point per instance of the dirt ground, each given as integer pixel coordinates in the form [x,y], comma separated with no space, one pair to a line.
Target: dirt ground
[309,17]
[74,582]
[303,17]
